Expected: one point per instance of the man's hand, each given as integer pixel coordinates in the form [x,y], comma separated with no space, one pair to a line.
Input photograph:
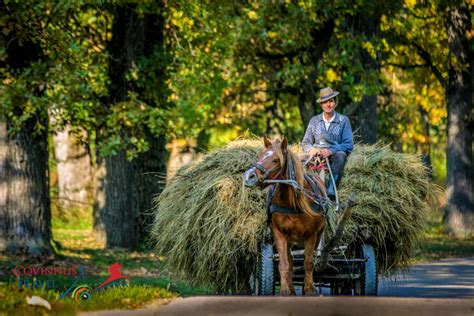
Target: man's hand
[326,152]
[313,152]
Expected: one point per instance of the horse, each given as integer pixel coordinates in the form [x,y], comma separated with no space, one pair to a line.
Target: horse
[298,216]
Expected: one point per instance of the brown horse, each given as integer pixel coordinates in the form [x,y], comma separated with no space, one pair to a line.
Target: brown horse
[293,192]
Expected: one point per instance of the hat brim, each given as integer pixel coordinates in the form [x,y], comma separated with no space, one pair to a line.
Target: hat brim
[330,96]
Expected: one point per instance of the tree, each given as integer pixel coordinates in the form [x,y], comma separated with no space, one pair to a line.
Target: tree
[133,116]
[26,213]
[273,57]
[435,37]
[73,173]
[365,25]
[459,87]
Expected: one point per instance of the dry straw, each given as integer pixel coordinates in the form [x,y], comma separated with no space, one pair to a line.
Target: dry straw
[208,225]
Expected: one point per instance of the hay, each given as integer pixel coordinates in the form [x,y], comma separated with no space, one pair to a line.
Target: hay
[209,225]
[393,197]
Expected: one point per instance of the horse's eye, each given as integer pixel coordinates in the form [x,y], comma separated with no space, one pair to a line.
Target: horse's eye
[275,160]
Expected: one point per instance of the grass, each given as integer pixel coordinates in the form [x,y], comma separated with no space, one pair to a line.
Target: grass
[150,281]
[439,244]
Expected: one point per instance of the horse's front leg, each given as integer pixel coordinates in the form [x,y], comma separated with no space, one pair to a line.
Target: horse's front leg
[281,244]
[290,269]
[309,244]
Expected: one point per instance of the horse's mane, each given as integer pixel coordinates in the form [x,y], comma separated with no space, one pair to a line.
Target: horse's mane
[296,198]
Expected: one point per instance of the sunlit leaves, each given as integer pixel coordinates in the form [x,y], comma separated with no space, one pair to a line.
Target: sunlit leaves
[416,110]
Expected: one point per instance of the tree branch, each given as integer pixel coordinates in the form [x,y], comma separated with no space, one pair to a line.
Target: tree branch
[267,55]
[407,66]
[424,54]
[427,58]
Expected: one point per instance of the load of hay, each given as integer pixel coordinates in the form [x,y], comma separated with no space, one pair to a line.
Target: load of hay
[208,225]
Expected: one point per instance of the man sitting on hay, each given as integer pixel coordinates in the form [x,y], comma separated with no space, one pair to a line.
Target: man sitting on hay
[329,135]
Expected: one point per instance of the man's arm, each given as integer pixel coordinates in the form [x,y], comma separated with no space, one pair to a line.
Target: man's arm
[347,143]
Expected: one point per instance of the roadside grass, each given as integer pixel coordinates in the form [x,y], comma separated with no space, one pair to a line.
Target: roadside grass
[438,243]
[150,281]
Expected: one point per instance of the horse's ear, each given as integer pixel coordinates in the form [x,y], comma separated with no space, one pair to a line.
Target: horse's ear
[267,142]
[284,144]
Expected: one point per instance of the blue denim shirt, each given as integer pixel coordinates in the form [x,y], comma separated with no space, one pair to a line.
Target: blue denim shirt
[338,136]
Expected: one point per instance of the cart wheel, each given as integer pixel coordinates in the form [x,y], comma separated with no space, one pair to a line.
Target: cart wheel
[341,289]
[265,283]
[368,283]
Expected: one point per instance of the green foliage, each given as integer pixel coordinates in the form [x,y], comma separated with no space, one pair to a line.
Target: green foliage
[69,79]
[231,66]
[413,116]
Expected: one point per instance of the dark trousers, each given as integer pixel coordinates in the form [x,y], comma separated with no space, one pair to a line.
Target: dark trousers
[337,161]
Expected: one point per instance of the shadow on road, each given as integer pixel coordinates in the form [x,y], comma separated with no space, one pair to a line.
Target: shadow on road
[447,278]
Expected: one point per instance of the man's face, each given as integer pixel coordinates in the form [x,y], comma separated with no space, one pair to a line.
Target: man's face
[328,106]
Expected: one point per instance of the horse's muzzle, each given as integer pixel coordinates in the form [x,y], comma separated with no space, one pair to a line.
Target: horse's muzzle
[250,177]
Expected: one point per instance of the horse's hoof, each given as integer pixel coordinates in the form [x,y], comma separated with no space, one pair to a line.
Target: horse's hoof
[309,292]
[288,293]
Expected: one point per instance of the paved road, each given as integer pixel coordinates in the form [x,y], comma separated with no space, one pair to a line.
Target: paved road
[448,278]
[293,306]
[444,287]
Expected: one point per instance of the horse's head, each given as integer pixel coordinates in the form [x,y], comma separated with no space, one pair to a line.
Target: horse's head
[269,164]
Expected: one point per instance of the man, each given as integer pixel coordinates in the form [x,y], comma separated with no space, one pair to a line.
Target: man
[329,134]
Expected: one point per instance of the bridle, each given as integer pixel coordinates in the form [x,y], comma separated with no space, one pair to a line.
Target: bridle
[292,181]
[266,172]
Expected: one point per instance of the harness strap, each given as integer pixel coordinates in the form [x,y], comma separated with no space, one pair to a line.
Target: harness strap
[314,186]
[292,170]
[273,208]
[266,172]
[261,168]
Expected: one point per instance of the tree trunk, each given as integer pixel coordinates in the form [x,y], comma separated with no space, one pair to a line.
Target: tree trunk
[27,211]
[181,153]
[149,181]
[114,214]
[150,167]
[114,208]
[119,211]
[308,94]
[459,216]
[124,190]
[74,174]
[3,185]
[307,99]
[25,199]
[364,119]
[99,184]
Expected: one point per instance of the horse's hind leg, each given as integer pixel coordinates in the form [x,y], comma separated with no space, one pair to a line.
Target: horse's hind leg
[309,244]
[281,244]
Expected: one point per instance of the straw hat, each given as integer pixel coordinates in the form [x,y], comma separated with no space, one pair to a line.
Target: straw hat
[326,94]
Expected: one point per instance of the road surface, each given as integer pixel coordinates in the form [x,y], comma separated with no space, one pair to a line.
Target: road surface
[447,278]
[444,287]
